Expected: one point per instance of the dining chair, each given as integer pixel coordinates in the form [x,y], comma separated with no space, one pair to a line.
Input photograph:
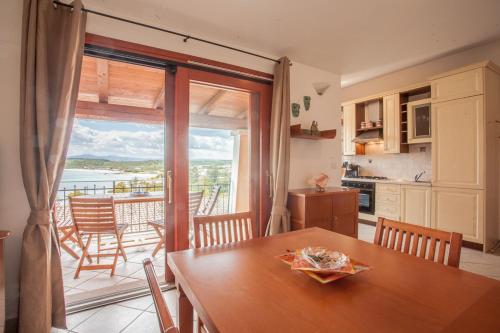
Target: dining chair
[419,241]
[209,204]
[164,317]
[96,217]
[222,229]
[158,225]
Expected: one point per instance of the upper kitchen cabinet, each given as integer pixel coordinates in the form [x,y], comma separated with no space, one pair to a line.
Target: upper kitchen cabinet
[349,129]
[467,82]
[392,123]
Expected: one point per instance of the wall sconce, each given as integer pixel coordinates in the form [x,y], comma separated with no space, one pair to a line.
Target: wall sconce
[321,87]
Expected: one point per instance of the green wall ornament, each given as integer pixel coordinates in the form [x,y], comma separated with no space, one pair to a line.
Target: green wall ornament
[307,102]
[295,109]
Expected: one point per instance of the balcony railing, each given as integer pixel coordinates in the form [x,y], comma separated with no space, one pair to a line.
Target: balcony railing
[135,214]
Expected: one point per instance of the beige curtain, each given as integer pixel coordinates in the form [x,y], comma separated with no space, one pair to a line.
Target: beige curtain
[280,148]
[51,60]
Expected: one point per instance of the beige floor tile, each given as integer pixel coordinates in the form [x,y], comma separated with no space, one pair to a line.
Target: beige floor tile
[101,281]
[76,319]
[110,319]
[127,268]
[70,281]
[141,303]
[146,323]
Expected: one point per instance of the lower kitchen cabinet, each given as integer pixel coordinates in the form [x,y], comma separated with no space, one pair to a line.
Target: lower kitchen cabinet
[336,209]
[459,210]
[416,205]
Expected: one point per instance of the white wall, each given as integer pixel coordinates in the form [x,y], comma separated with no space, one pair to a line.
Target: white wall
[311,157]
[13,203]
[308,158]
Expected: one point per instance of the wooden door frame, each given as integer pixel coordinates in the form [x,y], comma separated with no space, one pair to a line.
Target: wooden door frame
[178,102]
[259,122]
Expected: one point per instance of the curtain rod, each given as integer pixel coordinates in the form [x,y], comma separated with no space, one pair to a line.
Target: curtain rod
[186,37]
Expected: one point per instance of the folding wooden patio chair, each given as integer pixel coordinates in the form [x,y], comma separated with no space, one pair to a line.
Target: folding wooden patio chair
[96,217]
[158,225]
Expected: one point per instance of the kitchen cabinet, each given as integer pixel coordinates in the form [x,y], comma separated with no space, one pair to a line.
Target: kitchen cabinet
[388,201]
[392,124]
[459,210]
[416,205]
[465,153]
[458,143]
[349,129]
[336,209]
[459,85]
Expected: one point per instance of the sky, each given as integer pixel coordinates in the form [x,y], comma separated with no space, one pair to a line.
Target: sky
[111,138]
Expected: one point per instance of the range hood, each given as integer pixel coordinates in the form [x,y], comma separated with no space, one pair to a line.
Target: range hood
[368,136]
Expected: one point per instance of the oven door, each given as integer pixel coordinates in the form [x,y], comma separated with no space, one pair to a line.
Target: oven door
[367,201]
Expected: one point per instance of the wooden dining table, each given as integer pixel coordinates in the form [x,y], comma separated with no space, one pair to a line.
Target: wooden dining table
[243,287]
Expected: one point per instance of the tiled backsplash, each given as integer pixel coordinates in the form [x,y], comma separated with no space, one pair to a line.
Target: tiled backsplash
[395,166]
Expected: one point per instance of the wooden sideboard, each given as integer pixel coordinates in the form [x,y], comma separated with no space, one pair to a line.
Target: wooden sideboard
[335,209]
[3,235]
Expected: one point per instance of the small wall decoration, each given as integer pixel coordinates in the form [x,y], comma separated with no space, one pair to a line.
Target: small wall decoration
[295,109]
[307,102]
[315,128]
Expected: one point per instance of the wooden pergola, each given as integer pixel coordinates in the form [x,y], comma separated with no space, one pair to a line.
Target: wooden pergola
[117,91]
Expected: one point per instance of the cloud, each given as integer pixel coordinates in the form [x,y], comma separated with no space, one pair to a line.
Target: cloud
[109,138]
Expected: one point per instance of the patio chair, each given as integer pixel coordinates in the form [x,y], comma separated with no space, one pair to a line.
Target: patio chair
[222,229]
[158,225]
[209,205]
[96,217]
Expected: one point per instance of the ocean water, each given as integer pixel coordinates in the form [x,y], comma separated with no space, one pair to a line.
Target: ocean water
[87,178]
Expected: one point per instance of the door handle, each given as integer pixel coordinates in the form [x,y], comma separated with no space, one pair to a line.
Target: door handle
[169,186]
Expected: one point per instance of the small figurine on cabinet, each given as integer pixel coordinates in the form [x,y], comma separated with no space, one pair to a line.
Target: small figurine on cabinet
[315,128]
[320,181]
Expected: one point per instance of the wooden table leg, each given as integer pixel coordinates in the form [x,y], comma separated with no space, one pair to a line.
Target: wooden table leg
[184,312]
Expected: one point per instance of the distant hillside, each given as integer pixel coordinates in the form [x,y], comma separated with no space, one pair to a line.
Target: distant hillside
[147,166]
[106,157]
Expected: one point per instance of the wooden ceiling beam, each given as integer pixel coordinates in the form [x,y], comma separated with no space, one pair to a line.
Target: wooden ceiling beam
[103,80]
[212,101]
[114,112]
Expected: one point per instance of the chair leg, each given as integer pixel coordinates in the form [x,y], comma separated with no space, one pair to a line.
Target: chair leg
[84,255]
[70,251]
[120,246]
[80,243]
[160,243]
[117,254]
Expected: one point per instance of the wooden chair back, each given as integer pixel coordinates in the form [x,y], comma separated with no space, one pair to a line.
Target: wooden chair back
[209,205]
[222,229]
[195,202]
[164,317]
[93,215]
[427,243]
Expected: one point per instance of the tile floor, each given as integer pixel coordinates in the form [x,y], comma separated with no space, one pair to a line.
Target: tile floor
[138,315]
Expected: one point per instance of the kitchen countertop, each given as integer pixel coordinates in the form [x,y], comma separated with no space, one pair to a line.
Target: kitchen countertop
[390,181]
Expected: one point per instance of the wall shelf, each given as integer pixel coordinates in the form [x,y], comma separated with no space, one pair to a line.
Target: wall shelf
[370,129]
[297,132]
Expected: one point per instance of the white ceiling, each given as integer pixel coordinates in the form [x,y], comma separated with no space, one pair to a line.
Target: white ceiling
[356,39]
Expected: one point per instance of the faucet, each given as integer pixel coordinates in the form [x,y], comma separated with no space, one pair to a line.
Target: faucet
[418,176]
